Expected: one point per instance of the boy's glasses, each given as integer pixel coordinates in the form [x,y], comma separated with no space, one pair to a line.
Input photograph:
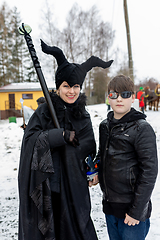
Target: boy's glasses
[115,95]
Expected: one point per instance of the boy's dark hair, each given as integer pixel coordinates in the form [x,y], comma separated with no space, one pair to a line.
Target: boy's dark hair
[120,84]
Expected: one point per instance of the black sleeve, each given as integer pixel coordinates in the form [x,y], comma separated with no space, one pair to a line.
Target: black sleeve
[145,146]
[55,137]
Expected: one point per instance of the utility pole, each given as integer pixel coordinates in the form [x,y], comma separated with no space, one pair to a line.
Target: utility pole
[130,61]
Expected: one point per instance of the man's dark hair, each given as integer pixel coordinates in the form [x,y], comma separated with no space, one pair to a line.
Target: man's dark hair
[121,83]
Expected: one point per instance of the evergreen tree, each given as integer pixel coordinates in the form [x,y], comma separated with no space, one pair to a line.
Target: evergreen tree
[15,62]
[21,63]
[100,83]
[5,43]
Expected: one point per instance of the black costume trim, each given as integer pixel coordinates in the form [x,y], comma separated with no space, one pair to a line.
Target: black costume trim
[42,159]
[41,195]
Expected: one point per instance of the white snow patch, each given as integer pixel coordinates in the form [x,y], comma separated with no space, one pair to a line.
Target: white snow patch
[10,141]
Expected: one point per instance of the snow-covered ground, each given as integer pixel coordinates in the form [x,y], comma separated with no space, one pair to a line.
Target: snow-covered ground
[10,144]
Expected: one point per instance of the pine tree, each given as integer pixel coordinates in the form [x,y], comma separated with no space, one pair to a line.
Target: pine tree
[5,52]
[21,63]
[15,62]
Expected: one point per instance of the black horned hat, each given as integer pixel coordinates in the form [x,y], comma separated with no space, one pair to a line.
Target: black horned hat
[72,73]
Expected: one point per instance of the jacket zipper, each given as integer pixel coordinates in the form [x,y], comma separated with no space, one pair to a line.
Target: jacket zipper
[104,157]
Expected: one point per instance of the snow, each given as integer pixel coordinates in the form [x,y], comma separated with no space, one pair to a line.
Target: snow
[25,86]
[10,142]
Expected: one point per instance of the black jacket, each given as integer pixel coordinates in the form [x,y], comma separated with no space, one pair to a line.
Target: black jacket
[48,164]
[128,162]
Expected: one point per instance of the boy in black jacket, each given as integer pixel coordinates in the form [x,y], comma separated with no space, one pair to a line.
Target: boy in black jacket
[128,164]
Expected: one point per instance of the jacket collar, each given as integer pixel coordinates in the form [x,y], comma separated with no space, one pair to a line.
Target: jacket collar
[131,116]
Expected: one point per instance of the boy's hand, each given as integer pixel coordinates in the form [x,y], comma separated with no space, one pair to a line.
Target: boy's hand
[130,221]
[94,182]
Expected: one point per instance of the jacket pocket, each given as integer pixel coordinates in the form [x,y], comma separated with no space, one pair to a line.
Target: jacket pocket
[132,178]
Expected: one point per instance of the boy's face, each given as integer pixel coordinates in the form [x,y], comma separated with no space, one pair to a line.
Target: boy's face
[121,106]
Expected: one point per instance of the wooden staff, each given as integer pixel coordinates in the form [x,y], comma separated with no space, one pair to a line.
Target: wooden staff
[25,30]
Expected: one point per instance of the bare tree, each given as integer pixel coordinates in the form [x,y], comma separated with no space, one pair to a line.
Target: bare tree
[85,34]
[52,36]
[100,84]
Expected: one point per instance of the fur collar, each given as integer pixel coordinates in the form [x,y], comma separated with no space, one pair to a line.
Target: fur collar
[77,109]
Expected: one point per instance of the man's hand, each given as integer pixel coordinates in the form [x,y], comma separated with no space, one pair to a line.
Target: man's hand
[130,221]
[94,182]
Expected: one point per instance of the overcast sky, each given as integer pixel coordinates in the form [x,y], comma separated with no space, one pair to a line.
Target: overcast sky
[144,20]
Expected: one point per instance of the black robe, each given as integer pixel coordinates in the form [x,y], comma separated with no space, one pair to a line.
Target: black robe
[36,216]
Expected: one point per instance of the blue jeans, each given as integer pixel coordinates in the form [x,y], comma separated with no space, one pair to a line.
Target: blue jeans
[118,230]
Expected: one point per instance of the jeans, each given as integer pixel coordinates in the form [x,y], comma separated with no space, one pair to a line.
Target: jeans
[118,230]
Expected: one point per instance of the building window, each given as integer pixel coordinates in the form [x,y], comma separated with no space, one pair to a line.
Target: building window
[27,96]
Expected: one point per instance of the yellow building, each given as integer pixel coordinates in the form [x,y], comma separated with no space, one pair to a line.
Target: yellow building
[11,94]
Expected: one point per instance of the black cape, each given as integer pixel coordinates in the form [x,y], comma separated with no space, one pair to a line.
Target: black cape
[37,165]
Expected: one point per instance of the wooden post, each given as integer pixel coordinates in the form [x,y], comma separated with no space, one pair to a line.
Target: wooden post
[130,61]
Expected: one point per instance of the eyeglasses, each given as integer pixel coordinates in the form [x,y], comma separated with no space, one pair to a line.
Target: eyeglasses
[115,95]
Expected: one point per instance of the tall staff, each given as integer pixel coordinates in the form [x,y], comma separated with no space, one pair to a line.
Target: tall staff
[25,30]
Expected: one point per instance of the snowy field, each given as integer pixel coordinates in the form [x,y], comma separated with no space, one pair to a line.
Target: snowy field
[10,143]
